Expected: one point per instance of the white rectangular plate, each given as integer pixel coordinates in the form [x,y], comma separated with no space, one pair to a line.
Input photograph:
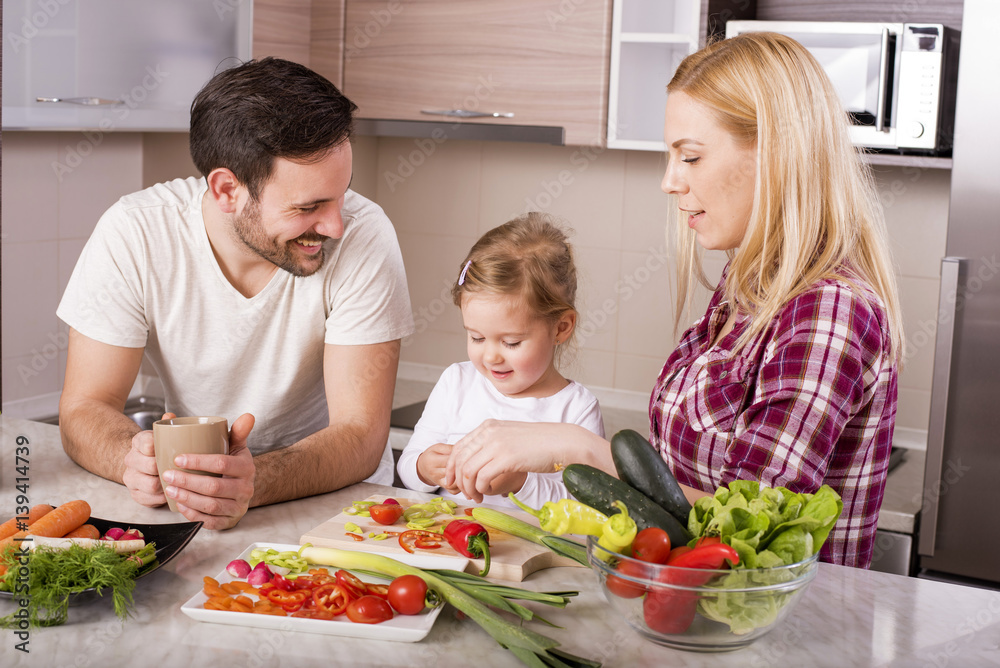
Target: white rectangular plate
[401,628]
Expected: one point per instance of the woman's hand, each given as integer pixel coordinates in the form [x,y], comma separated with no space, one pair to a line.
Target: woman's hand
[218,502]
[496,448]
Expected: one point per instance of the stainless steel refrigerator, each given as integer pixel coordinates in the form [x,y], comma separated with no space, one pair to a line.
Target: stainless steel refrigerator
[959,535]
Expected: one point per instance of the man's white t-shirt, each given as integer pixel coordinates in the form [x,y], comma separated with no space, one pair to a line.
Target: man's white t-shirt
[148,278]
[462,399]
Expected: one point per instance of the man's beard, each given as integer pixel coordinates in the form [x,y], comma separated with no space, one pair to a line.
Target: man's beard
[249,231]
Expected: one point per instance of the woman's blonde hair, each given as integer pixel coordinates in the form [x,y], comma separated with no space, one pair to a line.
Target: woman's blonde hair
[816,213]
[527,258]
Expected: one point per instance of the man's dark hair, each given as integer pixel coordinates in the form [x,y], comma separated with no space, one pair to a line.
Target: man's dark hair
[247,116]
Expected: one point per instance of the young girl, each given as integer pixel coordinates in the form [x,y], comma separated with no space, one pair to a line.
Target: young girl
[516,289]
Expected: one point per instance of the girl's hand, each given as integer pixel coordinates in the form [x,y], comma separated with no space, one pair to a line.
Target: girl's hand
[496,448]
[431,466]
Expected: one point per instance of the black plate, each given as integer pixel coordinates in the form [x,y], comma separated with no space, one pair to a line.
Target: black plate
[170,539]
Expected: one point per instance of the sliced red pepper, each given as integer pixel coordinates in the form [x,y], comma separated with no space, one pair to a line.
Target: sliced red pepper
[290,601]
[354,536]
[380,590]
[330,598]
[425,540]
[470,539]
[354,587]
[281,582]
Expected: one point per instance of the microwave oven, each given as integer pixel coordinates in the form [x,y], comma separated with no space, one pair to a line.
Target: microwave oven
[895,80]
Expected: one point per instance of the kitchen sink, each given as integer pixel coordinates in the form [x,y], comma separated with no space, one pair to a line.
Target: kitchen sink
[144,411]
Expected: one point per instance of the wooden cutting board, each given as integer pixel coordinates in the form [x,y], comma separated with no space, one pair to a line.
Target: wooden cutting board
[511,558]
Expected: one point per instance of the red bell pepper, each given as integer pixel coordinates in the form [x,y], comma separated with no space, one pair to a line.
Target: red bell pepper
[469,539]
[669,610]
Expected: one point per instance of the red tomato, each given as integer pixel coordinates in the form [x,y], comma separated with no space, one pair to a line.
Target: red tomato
[386,513]
[626,588]
[652,545]
[369,610]
[407,594]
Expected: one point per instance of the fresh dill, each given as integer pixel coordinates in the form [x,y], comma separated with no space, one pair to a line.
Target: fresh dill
[56,574]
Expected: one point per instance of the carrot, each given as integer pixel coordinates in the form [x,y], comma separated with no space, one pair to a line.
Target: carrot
[53,524]
[85,531]
[231,589]
[62,520]
[10,527]
[214,590]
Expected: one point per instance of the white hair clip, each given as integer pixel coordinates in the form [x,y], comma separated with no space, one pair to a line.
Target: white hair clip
[465,270]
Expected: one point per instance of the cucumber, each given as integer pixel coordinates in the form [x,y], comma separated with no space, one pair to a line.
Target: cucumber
[599,490]
[641,466]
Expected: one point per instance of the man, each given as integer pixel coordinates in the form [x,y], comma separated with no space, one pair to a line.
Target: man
[266,287]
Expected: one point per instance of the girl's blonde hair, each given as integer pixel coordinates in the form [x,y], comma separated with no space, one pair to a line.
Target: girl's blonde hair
[816,213]
[528,258]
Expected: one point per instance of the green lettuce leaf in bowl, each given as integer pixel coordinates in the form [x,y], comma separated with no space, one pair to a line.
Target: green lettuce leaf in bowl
[770,527]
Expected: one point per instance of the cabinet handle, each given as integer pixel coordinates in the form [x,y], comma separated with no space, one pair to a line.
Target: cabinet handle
[465,113]
[87,101]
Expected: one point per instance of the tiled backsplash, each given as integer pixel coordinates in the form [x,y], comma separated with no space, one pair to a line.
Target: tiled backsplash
[441,201]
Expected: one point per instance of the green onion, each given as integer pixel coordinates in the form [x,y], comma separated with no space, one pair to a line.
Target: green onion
[530,647]
[565,547]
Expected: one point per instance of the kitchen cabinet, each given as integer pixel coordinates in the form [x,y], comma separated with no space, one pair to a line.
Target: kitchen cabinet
[512,63]
[104,65]
[649,39]
[310,32]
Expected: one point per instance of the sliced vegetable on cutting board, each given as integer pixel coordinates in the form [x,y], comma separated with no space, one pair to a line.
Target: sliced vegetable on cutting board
[511,557]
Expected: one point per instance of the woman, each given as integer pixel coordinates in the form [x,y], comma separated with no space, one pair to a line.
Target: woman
[790,376]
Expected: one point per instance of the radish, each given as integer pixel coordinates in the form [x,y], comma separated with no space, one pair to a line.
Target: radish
[238,568]
[261,574]
[131,534]
[114,533]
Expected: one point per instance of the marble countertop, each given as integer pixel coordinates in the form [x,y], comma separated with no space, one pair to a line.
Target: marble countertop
[845,617]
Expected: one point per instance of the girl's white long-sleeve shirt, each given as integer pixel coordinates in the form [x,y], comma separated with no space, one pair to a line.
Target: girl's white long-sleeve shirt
[462,399]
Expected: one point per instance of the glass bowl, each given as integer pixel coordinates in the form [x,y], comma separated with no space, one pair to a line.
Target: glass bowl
[696,609]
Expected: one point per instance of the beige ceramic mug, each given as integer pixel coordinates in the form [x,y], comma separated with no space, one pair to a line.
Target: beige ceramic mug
[188,435]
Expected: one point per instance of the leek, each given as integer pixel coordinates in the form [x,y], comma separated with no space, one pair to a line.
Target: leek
[565,547]
[530,647]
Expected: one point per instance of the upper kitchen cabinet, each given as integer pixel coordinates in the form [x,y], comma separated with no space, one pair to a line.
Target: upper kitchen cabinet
[512,63]
[111,65]
[310,32]
[649,39]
